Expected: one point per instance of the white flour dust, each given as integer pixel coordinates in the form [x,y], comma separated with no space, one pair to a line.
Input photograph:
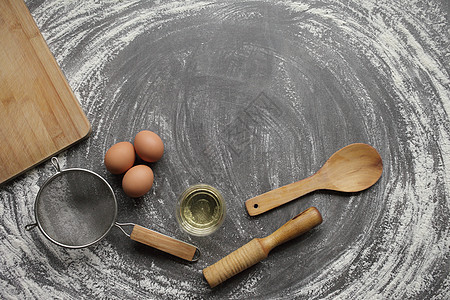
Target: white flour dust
[339,71]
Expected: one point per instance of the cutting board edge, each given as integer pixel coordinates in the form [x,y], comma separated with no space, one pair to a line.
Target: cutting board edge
[82,128]
[85,137]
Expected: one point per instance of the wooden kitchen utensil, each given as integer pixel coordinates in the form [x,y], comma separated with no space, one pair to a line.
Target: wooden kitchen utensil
[259,248]
[353,168]
[39,114]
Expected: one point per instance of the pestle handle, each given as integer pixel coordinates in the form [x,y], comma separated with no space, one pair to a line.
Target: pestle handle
[301,223]
[258,249]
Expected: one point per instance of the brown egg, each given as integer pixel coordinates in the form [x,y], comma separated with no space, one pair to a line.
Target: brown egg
[149,146]
[120,157]
[137,181]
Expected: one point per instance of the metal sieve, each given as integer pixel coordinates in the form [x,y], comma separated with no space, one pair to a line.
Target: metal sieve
[76,208]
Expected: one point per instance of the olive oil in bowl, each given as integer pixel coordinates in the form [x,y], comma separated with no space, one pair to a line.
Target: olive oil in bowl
[200,210]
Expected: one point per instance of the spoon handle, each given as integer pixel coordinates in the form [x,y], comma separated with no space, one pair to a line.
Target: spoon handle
[274,198]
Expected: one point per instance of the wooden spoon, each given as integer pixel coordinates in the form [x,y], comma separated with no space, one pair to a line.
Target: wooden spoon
[353,168]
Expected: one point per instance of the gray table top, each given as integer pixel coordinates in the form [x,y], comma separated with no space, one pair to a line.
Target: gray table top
[249,96]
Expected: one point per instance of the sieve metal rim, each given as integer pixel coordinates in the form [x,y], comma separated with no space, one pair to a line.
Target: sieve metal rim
[53,177]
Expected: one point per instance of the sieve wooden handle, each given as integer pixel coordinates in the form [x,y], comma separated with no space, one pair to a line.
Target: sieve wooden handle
[164,243]
[258,249]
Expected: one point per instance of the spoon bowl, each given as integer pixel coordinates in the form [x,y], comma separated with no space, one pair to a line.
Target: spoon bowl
[353,168]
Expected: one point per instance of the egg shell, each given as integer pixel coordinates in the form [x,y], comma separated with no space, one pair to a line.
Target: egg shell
[149,146]
[120,157]
[137,181]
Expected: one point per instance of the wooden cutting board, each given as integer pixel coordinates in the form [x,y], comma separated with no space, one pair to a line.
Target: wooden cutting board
[39,114]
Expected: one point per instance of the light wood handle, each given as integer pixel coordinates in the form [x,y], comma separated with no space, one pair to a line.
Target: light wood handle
[274,198]
[258,249]
[163,242]
[301,223]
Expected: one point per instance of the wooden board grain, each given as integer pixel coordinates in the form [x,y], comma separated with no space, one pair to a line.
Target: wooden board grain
[39,114]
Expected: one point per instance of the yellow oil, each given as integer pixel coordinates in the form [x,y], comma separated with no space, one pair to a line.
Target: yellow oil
[201,210]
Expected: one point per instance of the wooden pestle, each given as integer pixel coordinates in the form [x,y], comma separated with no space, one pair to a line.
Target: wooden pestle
[259,248]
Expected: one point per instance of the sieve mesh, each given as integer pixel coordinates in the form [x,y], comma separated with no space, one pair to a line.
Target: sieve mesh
[75,208]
